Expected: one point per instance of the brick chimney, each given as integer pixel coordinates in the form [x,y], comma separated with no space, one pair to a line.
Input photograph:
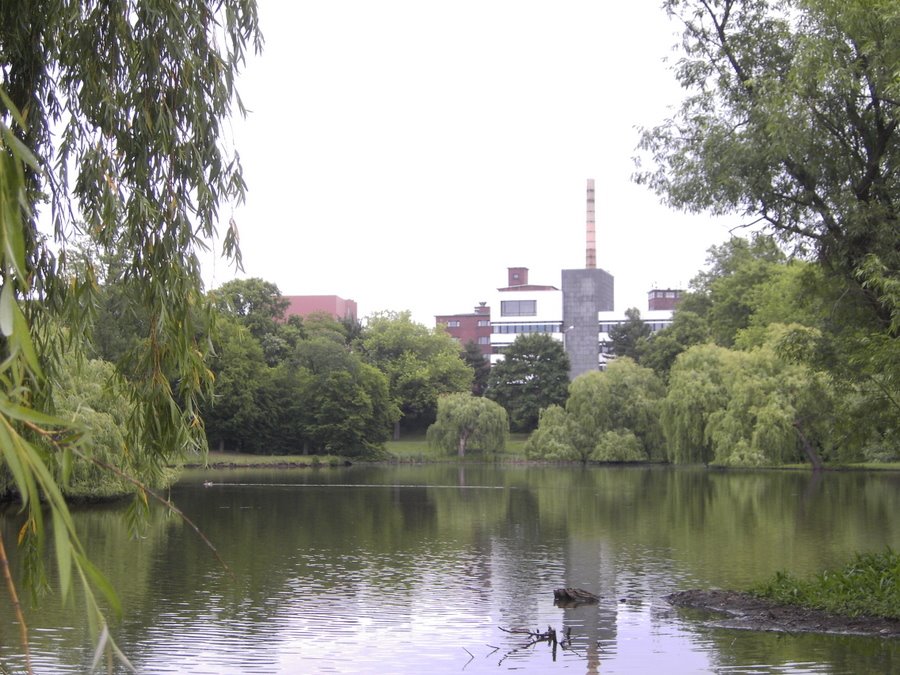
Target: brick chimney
[518,276]
[590,261]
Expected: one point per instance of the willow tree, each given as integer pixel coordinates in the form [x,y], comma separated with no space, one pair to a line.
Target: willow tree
[615,413]
[111,133]
[465,421]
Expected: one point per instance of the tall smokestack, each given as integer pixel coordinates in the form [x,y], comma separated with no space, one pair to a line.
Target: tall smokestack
[591,249]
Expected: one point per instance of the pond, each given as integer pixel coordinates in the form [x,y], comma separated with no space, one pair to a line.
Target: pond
[411,569]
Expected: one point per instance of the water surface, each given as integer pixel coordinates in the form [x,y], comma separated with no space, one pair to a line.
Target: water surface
[412,569]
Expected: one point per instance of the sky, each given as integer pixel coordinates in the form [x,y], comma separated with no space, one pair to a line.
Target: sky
[404,153]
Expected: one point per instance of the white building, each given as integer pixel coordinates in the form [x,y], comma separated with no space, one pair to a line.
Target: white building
[521,307]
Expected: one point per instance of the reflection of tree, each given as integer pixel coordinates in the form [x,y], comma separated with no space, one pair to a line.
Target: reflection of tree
[126,561]
[474,540]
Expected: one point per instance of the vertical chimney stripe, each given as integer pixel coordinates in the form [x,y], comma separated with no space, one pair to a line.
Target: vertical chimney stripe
[591,248]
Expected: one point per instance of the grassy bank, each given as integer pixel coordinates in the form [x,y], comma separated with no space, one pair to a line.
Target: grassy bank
[414,448]
[869,585]
[411,448]
[238,459]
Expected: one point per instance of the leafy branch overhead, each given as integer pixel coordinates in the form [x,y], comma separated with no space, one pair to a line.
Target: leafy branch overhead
[111,139]
[790,119]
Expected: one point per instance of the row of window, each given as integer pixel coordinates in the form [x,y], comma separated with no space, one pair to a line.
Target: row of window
[606,326]
[518,308]
[454,323]
[528,328]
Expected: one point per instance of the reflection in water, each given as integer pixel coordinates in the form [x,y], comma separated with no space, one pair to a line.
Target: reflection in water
[411,569]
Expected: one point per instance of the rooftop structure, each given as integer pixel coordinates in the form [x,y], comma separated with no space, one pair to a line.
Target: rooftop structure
[303,305]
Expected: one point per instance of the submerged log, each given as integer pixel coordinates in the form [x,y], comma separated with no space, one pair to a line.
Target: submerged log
[572,597]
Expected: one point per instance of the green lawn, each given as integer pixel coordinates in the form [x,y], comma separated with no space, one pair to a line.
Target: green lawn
[414,448]
[244,459]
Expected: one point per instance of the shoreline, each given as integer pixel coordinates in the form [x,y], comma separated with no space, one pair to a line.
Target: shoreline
[745,611]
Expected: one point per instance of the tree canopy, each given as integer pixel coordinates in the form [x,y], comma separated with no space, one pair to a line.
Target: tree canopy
[626,336]
[791,118]
[465,421]
[533,374]
[420,363]
[610,416]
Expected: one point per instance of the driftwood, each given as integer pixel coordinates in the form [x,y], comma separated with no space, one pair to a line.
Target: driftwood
[572,597]
[536,636]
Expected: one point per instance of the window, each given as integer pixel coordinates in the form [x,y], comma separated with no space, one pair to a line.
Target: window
[484,322]
[518,308]
[453,324]
[484,340]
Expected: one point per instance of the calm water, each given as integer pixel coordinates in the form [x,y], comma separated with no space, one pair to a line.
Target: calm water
[427,569]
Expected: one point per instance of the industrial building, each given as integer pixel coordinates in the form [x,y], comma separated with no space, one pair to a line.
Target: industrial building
[579,312]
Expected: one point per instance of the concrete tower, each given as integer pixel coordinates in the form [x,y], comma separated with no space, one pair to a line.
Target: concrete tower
[585,293]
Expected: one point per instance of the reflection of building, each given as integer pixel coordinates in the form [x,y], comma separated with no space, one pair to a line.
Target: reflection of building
[579,314]
[473,327]
[302,305]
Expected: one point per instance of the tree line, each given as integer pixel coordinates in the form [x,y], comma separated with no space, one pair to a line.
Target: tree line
[768,360]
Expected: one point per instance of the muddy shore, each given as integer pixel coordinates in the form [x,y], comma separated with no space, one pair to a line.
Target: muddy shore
[732,609]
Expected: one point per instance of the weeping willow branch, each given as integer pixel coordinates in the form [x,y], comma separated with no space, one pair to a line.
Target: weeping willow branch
[159,498]
[17,607]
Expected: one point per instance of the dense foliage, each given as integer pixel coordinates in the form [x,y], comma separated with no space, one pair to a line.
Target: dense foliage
[468,422]
[420,363]
[533,374]
[868,585]
[626,336]
[111,120]
[610,416]
[791,118]
[316,385]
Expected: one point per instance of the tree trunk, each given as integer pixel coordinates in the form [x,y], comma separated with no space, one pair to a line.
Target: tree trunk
[811,453]
[397,430]
[463,439]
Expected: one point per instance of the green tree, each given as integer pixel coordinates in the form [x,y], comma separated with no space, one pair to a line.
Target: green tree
[420,364]
[623,400]
[344,406]
[481,367]
[552,440]
[112,114]
[533,374]
[738,272]
[234,416]
[792,118]
[699,383]
[749,408]
[96,399]
[659,350]
[465,422]
[259,306]
[626,335]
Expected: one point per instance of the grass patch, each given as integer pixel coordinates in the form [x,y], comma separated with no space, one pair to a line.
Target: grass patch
[867,586]
[415,448]
[244,459]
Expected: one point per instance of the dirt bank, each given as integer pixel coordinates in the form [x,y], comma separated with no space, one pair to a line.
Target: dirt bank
[745,611]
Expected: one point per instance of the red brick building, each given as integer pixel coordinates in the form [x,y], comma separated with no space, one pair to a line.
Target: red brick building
[663,299]
[473,327]
[302,305]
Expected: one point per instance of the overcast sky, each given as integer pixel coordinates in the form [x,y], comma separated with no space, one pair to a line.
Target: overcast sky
[404,153]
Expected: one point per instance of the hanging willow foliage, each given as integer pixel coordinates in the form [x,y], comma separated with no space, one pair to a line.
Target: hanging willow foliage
[111,133]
